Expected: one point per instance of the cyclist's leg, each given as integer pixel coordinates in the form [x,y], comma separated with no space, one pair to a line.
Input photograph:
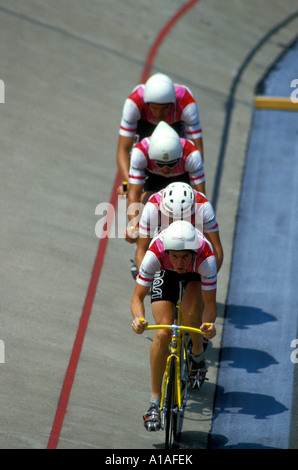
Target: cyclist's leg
[163,306]
[191,308]
[164,296]
[163,312]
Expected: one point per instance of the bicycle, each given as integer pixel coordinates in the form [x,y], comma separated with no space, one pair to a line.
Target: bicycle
[176,377]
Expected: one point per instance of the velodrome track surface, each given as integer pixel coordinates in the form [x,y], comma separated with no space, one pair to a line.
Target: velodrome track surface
[256,396]
[75,376]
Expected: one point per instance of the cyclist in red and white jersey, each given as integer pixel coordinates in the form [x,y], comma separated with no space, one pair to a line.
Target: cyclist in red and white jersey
[179,252]
[157,161]
[178,201]
[159,99]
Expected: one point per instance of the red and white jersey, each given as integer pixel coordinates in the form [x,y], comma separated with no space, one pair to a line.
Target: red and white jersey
[153,220]
[156,259]
[191,162]
[184,109]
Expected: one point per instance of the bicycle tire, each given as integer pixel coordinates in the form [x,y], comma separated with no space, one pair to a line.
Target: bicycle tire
[184,362]
[171,413]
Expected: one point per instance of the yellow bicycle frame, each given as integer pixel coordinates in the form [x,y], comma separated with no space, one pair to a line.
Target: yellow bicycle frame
[178,332]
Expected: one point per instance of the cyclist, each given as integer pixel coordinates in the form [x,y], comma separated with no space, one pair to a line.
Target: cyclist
[178,201]
[159,99]
[155,162]
[178,252]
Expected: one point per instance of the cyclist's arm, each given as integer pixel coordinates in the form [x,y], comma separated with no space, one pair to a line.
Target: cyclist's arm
[128,126]
[123,155]
[214,239]
[133,211]
[134,197]
[201,187]
[138,308]
[199,144]
[142,247]
[195,167]
[209,313]
[190,115]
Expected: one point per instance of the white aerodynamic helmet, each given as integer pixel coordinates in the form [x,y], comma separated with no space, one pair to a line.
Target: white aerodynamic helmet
[165,144]
[181,235]
[159,89]
[178,200]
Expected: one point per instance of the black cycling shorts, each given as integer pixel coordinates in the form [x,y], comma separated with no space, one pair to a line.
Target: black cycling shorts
[157,182]
[166,285]
[145,129]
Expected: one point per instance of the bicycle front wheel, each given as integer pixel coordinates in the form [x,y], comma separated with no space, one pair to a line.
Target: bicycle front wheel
[171,412]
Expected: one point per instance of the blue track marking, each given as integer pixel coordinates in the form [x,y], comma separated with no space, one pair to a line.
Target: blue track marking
[255,382]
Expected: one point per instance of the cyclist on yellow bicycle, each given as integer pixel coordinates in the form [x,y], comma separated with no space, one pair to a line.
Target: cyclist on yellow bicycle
[179,252]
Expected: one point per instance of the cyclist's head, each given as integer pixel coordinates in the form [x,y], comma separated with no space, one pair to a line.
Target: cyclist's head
[165,145]
[178,200]
[159,89]
[181,236]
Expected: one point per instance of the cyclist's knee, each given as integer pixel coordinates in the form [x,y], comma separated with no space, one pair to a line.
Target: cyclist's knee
[163,337]
[192,319]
